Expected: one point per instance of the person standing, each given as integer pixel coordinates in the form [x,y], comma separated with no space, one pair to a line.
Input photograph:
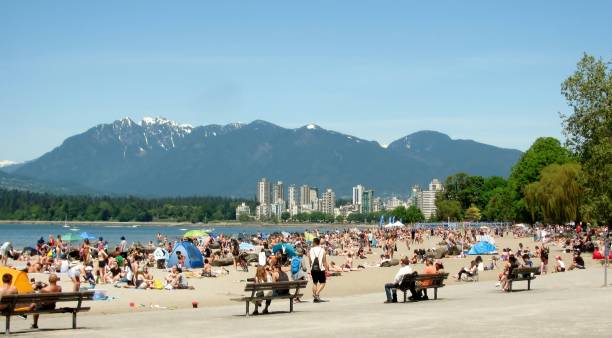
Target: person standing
[318,265]
[123,247]
[6,251]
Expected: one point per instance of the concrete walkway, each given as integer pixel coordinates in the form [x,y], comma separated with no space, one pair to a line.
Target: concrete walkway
[564,304]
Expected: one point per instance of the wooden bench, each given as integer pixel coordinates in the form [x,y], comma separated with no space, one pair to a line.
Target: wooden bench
[292,287]
[437,281]
[13,304]
[522,274]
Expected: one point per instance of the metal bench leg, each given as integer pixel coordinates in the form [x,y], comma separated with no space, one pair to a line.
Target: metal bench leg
[74,314]
[529,284]
[7,330]
[290,304]
[435,293]
[404,296]
[247,308]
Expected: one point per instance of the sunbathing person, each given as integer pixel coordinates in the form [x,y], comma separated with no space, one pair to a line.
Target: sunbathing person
[560,265]
[470,272]
[577,262]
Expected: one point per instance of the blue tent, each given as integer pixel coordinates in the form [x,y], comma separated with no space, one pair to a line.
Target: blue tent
[482,248]
[193,257]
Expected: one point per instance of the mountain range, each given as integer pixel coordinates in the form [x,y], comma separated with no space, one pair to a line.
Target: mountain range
[159,157]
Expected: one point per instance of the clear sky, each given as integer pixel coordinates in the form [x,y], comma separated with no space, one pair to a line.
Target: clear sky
[379,70]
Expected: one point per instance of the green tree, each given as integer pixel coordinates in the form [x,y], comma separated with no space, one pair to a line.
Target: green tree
[472,213]
[448,209]
[543,152]
[499,205]
[414,215]
[285,216]
[557,195]
[588,130]
[339,219]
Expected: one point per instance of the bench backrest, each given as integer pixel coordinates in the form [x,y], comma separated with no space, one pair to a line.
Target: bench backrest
[276,286]
[47,297]
[519,272]
[435,278]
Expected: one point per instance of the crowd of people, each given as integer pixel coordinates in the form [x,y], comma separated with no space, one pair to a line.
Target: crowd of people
[313,255]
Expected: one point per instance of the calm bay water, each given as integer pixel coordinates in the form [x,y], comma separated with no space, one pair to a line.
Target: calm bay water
[22,235]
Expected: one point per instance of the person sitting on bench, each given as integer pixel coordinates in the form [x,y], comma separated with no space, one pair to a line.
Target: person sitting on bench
[391,288]
[6,288]
[52,287]
[429,269]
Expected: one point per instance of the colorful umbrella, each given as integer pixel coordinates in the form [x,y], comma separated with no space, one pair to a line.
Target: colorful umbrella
[195,233]
[85,235]
[70,237]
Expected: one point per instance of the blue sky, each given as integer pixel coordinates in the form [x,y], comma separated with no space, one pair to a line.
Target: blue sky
[487,71]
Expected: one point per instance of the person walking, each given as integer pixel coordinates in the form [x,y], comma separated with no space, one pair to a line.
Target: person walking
[318,265]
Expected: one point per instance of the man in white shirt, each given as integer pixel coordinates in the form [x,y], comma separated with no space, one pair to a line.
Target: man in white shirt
[318,265]
[391,288]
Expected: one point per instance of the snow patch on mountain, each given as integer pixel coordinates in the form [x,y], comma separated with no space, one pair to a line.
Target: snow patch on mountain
[6,163]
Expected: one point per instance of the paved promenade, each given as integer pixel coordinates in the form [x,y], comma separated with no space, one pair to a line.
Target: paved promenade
[565,304]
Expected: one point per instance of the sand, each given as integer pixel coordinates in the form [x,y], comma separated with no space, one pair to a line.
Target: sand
[570,304]
[213,292]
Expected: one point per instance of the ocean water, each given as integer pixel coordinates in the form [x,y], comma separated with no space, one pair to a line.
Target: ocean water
[22,235]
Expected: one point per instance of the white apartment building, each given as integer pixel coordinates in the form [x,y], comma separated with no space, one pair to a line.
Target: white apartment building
[264,192]
[426,200]
[243,209]
[328,201]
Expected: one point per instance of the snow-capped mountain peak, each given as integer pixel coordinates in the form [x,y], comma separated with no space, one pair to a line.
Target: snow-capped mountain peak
[5,163]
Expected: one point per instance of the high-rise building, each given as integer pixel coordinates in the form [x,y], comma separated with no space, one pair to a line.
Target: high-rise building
[357,192]
[426,201]
[304,195]
[393,203]
[328,201]
[278,193]
[367,202]
[243,209]
[292,196]
[314,194]
[263,192]
[414,195]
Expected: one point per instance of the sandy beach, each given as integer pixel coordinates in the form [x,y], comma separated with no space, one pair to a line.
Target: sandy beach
[463,309]
[212,292]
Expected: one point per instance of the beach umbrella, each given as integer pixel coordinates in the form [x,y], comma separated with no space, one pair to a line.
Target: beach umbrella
[85,235]
[70,237]
[195,233]
[286,248]
[285,234]
[246,246]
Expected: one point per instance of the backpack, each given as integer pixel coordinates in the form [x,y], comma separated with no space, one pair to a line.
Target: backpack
[295,264]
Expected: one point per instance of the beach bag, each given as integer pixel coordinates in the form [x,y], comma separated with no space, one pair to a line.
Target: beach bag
[158,285]
[295,264]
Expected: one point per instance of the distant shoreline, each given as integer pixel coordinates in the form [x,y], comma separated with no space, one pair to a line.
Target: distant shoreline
[189,224]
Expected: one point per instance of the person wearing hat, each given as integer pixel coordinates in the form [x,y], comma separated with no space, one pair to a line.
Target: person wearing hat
[391,288]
